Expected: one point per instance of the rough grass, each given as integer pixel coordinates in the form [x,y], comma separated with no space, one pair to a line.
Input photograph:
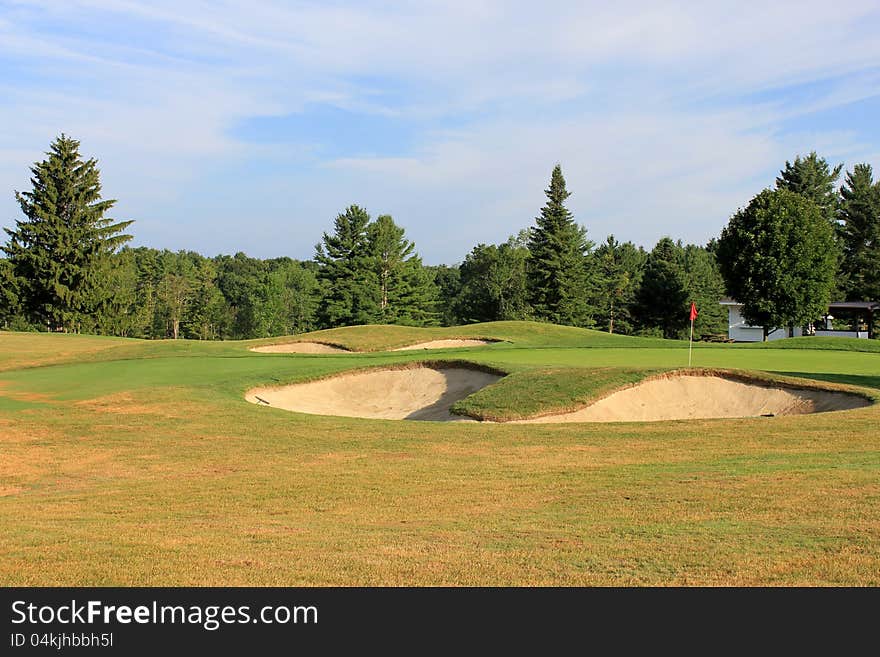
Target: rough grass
[144,466]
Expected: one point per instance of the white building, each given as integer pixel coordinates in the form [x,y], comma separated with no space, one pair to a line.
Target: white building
[739,330]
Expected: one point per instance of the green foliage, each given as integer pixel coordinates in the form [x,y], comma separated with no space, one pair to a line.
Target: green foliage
[291,296]
[558,275]
[8,293]
[705,287]
[493,283]
[351,289]
[545,391]
[61,251]
[618,274]
[662,299]
[860,232]
[814,179]
[406,291]
[777,257]
[447,280]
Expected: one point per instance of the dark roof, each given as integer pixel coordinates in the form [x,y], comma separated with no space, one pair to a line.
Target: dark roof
[854,305]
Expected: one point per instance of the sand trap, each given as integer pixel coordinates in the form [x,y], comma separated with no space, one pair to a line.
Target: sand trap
[321,348]
[420,393]
[300,348]
[446,344]
[686,397]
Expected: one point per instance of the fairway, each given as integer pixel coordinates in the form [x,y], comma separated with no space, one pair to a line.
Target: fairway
[128,462]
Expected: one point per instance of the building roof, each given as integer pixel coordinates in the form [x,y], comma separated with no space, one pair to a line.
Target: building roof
[854,305]
[835,305]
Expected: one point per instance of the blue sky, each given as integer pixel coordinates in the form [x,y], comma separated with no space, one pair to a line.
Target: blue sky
[247,126]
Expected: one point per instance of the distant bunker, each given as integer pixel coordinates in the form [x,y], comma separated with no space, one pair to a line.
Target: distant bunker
[428,393]
[325,348]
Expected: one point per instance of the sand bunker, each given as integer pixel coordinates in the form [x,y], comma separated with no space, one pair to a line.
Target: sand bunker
[300,348]
[420,393]
[687,397]
[446,344]
[321,348]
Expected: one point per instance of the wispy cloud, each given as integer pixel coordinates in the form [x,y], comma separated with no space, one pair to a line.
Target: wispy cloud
[665,116]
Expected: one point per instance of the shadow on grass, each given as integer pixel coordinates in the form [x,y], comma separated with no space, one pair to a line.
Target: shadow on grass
[866,381]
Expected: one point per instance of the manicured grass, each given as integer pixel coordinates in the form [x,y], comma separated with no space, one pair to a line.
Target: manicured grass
[540,391]
[132,462]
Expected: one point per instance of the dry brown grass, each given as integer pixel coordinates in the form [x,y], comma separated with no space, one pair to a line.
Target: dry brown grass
[200,492]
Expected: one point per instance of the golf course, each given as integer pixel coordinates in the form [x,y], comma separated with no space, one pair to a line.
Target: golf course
[132,462]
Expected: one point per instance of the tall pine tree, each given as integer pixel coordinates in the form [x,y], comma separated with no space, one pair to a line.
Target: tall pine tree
[662,299]
[814,179]
[860,232]
[705,288]
[351,291]
[558,278]
[619,269]
[61,252]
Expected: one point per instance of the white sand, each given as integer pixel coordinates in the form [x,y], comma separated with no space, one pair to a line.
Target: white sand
[321,348]
[300,348]
[409,394]
[686,397]
[446,344]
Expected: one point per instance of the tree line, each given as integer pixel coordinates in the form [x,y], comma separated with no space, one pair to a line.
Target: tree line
[67,268]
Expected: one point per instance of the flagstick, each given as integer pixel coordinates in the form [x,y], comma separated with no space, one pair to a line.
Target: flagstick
[691,343]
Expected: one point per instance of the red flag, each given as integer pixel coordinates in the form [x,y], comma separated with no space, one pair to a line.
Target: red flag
[693,311]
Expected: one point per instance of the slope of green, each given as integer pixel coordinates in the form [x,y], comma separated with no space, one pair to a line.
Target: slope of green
[526,334]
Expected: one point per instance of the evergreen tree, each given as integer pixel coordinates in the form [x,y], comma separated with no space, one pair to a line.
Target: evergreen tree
[619,268]
[814,179]
[406,291]
[447,280]
[205,313]
[860,232]
[8,294]
[149,274]
[291,297]
[61,251]
[662,299]
[351,290]
[558,276]
[118,315]
[176,291]
[241,280]
[777,257]
[705,288]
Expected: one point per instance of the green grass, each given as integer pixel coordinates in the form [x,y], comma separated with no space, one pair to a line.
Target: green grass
[128,462]
[540,391]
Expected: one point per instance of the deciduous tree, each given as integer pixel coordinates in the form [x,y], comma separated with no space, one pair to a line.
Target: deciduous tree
[777,258]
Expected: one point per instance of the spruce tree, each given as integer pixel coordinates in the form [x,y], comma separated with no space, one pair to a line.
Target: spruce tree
[814,179]
[406,292]
[558,279]
[61,251]
[662,299]
[8,294]
[351,290]
[860,233]
[705,288]
[619,268]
